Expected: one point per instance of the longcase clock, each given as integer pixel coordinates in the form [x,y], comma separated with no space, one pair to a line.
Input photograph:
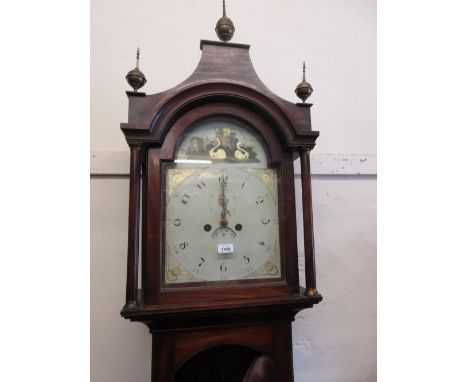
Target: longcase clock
[212,220]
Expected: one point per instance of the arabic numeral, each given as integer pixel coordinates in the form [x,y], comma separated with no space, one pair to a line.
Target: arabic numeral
[223,178]
[201,184]
[223,267]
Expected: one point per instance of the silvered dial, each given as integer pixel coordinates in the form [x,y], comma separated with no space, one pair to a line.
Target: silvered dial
[221,224]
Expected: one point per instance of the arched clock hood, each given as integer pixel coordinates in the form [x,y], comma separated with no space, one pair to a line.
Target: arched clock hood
[225,74]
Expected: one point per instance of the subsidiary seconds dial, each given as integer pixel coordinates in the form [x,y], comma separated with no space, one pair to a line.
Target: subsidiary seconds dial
[221,224]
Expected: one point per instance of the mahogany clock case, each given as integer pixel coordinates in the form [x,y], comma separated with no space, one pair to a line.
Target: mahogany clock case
[156,124]
[188,319]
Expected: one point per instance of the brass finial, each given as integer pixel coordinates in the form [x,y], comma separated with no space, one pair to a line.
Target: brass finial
[304,90]
[225,27]
[135,78]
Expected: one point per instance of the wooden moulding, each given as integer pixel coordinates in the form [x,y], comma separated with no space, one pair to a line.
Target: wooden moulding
[133,229]
[200,313]
[309,247]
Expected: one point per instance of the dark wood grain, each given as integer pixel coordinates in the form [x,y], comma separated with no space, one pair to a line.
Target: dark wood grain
[153,223]
[162,357]
[282,345]
[190,312]
[188,343]
[309,245]
[133,228]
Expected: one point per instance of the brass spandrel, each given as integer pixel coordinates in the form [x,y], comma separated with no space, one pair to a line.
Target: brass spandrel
[176,176]
[268,179]
[174,271]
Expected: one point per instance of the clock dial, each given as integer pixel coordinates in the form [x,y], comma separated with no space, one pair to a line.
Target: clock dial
[222,217]
[222,224]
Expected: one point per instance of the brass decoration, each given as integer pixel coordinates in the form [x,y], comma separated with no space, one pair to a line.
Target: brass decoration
[135,78]
[304,89]
[224,146]
[216,152]
[311,292]
[241,153]
[270,267]
[176,176]
[225,27]
[267,177]
[175,272]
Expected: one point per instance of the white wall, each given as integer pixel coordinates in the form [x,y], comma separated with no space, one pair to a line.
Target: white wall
[335,341]
[337,39]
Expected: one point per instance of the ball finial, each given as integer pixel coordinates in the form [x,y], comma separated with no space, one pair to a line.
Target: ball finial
[304,89]
[225,27]
[135,78]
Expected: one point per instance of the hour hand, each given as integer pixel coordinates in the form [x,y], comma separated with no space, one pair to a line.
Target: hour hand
[222,199]
[222,202]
